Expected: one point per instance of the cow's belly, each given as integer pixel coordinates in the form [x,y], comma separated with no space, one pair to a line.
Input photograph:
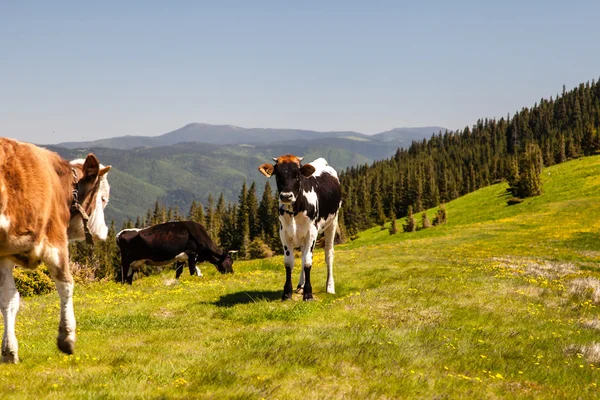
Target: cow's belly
[179,257]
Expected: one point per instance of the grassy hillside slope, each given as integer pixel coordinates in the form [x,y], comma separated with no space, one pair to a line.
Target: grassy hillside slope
[499,303]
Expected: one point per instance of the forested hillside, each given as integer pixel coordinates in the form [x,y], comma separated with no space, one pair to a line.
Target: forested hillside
[452,164]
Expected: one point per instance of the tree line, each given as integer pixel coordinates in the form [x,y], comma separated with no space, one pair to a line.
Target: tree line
[452,164]
[426,174]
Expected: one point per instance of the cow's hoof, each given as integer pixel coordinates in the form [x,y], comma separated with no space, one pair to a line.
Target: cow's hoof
[286,296]
[10,358]
[67,345]
[300,290]
[308,297]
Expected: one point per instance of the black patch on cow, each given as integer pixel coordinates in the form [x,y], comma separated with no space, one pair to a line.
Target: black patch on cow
[287,253]
[312,248]
[329,196]
[285,248]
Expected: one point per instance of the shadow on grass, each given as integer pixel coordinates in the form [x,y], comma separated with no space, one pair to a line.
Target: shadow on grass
[232,299]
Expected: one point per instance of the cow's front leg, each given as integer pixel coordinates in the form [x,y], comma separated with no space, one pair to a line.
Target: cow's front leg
[307,261]
[192,259]
[300,287]
[288,260]
[179,269]
[61,274]
[9,303]
[126,269]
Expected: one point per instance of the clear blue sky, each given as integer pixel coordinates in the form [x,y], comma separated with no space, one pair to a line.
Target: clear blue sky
[72,70]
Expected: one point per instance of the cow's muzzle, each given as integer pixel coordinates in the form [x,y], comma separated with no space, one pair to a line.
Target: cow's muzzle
[287,197]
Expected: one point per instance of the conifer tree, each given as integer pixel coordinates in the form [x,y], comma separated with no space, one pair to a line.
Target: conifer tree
[393,227]
[242,221]
[425,220]
[252,209]
[411,224]
[227,233]
[440,216]
[267,217]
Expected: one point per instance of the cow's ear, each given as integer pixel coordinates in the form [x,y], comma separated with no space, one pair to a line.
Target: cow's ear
[266,170]
[91,167]
[307,170]
[104,170]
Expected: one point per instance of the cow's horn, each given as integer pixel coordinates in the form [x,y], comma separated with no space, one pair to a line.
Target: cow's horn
[275,159]
[300,158]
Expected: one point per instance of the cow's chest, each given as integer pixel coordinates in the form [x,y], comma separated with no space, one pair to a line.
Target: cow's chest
[298,229]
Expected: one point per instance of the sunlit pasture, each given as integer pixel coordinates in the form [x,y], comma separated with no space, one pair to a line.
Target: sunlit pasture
[501,302]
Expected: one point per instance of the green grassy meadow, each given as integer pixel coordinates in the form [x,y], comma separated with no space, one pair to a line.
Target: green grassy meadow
[501,302]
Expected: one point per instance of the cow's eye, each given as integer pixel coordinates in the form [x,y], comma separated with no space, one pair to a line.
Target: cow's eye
[104,199]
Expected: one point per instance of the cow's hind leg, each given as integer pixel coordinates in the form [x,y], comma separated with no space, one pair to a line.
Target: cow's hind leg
[61,274]
[9,302]
[329,240]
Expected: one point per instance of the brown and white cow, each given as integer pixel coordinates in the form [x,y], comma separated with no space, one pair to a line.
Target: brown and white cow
[45,201]
[309,200]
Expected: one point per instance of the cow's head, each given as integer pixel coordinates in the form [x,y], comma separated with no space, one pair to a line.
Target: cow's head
[93,193]
[288,173]
[225,264]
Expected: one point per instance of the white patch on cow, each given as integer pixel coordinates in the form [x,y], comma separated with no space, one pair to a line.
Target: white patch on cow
[127,230]
[181,257]
[198,272]
[96,223]
[52,255]
[311,198]
[4,222]
[320,165]
[77,161]
[130,270]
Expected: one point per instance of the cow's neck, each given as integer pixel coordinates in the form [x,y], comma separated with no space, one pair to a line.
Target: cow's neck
[215,256]
[65,174]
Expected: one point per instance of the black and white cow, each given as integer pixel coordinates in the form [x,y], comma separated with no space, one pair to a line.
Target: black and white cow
[309,200]
[161,244]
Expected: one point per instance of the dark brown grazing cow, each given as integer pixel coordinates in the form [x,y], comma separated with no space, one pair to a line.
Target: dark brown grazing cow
[45,201]
[162,244]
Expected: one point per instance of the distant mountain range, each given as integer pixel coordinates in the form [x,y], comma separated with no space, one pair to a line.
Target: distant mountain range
[229,134]
[189,163]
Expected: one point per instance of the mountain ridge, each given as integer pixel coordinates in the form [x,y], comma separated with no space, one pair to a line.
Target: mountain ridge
[231,134]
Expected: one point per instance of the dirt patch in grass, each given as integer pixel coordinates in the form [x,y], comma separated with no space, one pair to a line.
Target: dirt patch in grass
[585,288]
[539,268]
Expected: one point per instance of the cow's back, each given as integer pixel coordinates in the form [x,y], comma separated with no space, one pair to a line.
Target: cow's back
[33,203]
[158,242]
